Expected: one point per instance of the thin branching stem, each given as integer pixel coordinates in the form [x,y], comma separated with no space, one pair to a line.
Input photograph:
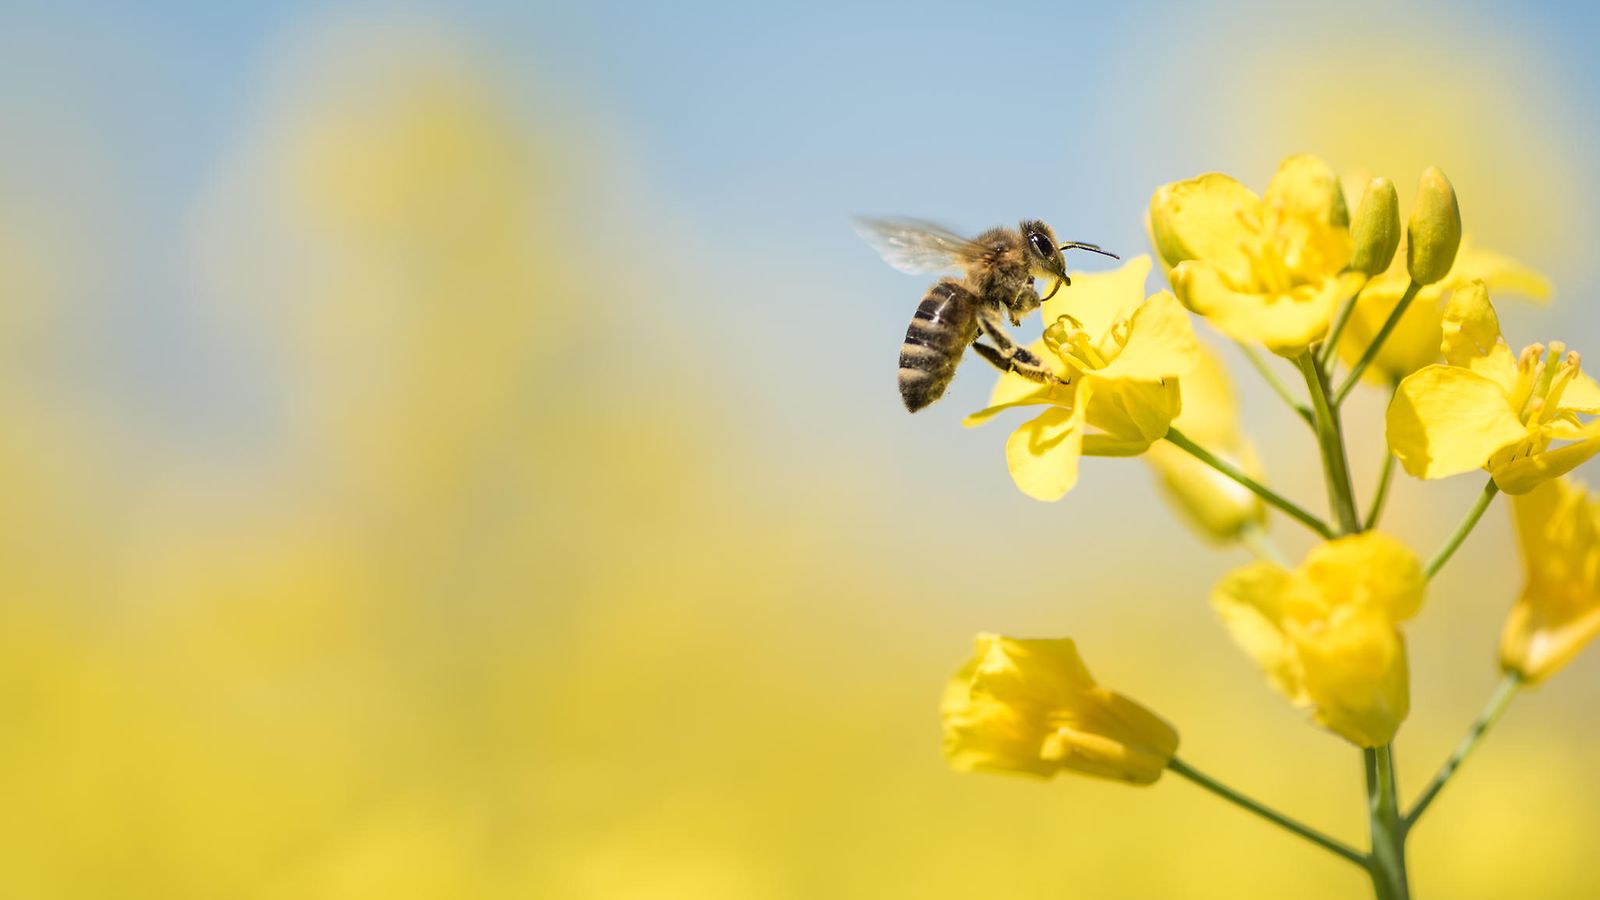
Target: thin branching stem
[1273,498]
[1273,381]
[1464,529]
[1266,812]
[1330,437]
[1371,353]
[1503,694]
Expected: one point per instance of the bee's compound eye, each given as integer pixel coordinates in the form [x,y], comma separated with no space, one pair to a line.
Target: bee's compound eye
[1042,245]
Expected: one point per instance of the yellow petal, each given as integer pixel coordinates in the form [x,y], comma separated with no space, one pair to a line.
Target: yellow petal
[1134,414]
[1558,612]
[1355,675]
[1304,187]
[1526,473]
[1107,735]
[1252,603]
[1209,218]
[1582,394]
[1471,336]
[1367,569]
[1312,218]
[1099,300]
[1161,343]
[1022,671]
[1445,420]
[1286,323]
[1043,454]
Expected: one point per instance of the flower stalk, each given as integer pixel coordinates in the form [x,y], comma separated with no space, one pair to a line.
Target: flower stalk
[1371,353]
[1465,528]
[1387,861]
[1332,845]
[1504,693]
[1285,505]
[1330,438]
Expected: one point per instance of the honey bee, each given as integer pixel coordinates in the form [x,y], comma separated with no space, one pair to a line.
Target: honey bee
[999,268]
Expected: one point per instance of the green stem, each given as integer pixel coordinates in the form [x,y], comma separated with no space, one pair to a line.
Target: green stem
[1330,345]
[1371,353]
[1276,383]
[1330,436]
[1268,813]
[1385,476]
[1503,694]
[1260,490]
[1387,861]
[1464,529]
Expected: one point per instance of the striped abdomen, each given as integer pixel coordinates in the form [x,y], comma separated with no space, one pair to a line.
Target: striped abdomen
[946,323]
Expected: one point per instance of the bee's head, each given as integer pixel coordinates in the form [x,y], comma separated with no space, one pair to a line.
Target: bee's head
[1044,256]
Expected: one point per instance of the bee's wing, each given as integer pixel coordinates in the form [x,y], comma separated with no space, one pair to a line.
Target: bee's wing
[915,246]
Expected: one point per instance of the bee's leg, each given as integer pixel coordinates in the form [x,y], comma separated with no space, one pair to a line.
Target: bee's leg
[1021,362]
[1008,356]
[1025,301]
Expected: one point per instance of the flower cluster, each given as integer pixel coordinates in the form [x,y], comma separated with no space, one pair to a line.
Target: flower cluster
[1403,307]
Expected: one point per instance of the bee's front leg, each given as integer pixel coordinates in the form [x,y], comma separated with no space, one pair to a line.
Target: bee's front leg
[1008,356]
[1025,301]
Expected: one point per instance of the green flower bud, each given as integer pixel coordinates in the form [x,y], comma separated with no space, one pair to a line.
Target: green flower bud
[1434,233]
[1376,232]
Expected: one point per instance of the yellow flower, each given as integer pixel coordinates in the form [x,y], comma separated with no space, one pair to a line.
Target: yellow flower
[1030,707]
[1558,528]
[1213,504]
[1267,270]
[1487,408]
[1121,357]
[1414,343]
[1326,632]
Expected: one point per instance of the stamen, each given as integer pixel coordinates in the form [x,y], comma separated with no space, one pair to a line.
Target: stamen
[1565,373]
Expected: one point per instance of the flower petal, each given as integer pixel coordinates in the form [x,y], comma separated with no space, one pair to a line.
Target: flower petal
[1161,343]
[1286,323]
[1368,569]
[1043,454]
[1526,473]
[1132,413]
[1099,300]
[1471,336]
[1582,394]
[1207,218]
[1446,420]
[1355,674]
[1312,217]
[1252,602]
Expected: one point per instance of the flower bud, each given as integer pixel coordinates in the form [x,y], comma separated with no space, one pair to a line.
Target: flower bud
[1434,232]
[1029,707]
[1376,231]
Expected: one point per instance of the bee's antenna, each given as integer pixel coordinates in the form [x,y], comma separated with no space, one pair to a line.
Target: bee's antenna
[1092,248]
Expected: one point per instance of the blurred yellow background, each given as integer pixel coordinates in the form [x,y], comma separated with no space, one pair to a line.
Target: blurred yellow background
[453,452]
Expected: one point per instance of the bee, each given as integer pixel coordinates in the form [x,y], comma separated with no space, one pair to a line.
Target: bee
[999,268]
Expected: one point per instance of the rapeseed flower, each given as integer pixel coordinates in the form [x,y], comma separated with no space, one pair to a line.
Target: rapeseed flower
[1119,358]
[1030,707]
[1558,613]
[1326,633]
[1268,270]
[1485,408]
